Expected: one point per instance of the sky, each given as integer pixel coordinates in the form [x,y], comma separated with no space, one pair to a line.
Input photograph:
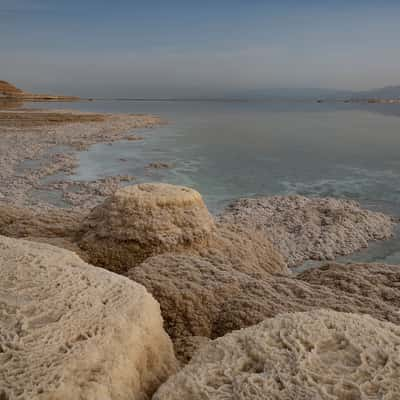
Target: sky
[175,48]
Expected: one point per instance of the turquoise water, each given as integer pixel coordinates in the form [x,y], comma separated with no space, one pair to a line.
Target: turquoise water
[228,150]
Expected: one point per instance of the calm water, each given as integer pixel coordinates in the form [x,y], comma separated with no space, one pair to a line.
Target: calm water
[228,150]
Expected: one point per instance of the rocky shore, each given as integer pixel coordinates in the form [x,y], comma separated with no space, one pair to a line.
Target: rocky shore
[138,292]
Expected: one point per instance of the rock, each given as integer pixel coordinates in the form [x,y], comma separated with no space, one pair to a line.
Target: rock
[57,226]
[316,355]
[373,284]
[311,228]
[206,296]
[244,249]
[23,221]
[72,331]
[361,289]
[143,220]
[185,347]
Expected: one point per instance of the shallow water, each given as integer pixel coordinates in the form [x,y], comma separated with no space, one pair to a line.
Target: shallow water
[228,150]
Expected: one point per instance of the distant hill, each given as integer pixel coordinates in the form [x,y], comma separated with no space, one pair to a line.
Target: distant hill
[388,92]
[11,92]
[292,93]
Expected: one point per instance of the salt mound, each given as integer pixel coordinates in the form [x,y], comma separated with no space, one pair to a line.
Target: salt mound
[311,228]
[72,331]
[316,355]
[142,220]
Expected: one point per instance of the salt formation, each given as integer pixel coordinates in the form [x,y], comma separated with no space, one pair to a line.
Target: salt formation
[316,355]
[244,249]
[304,228]
[143,220]
[207,297]
[27,222]
[72,331]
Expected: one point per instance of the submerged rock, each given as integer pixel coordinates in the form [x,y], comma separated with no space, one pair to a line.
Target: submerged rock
[304,228]
[143,220]
[71,331]
[316,355]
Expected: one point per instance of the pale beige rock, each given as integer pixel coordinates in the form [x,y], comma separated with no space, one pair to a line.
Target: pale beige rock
[143,220]
[71,331]
[321,355]
[304,228]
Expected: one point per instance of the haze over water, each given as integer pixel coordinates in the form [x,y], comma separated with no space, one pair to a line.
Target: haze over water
[234,149]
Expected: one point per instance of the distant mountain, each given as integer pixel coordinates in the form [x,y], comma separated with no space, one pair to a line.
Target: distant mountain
[385,93]
[10,92]
[388,92]
[292,93]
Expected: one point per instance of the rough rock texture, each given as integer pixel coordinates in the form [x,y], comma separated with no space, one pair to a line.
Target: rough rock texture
[316,355]
[243,248]
[311,228]
[23,221]
[202,296]
[372,283]
[58,227]
[72,331]
[142,220]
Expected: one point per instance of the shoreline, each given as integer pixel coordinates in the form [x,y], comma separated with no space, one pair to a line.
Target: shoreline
[37,144]
[39,151]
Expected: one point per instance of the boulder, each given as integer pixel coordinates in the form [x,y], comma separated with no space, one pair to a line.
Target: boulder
[322,355]
[69,330]
[208,297]
[304,228]
[245,249]
[143,220]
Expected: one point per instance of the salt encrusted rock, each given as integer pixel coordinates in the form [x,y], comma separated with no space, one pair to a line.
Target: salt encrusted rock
[245,249]
[142,220]
[311,228]
[321,355]
[72,331]
[203,296]
[26,222]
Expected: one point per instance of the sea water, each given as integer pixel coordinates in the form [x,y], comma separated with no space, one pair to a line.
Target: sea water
[232,149]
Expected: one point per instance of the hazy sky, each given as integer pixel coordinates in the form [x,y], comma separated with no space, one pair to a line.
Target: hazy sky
[188,48]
